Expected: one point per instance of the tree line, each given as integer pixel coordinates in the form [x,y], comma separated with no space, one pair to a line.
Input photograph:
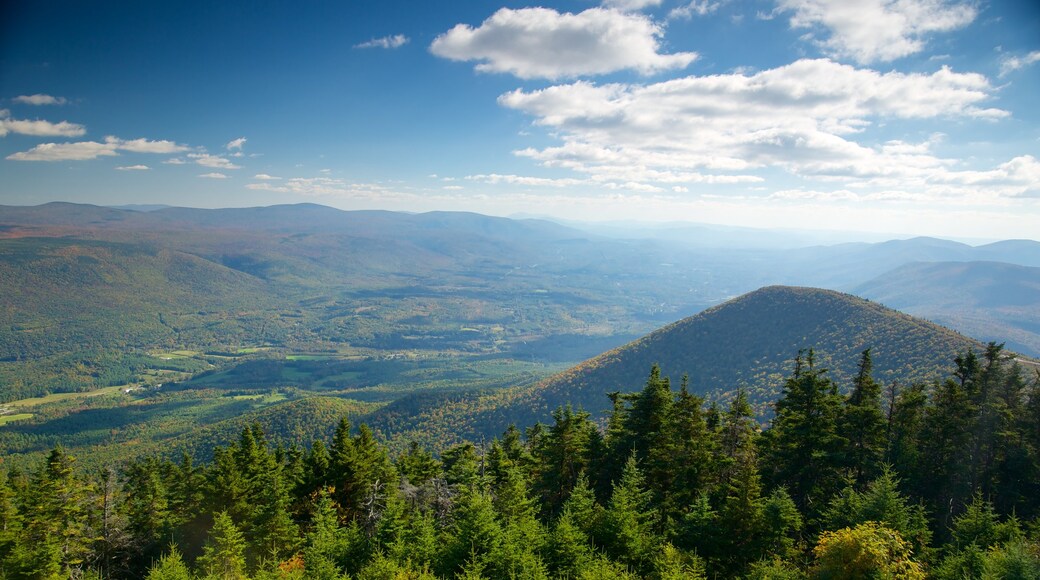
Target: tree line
[934,480]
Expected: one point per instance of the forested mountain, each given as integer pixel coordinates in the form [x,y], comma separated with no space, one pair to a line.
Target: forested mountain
[89,294]
[987,300]
[937,481]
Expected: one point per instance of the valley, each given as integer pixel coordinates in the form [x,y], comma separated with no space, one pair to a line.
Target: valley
[437,327]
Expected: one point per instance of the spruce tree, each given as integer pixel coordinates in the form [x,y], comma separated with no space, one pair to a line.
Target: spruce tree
[223,557]
[802,446]
[863,425]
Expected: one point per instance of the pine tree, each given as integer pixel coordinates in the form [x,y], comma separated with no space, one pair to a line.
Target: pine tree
[11,529]
[170,566]
[417,465]
[562,456]
[476,532]
[223,557]
[802,446]
[630,520]
[323,542]
[862,424]
[54,532]
[945,443]
[147,506]
[684,455]
[275,534]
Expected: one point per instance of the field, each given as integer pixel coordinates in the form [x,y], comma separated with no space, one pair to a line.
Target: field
[120,422]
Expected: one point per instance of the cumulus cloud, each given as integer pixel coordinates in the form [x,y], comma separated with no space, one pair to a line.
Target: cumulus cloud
[146,145]
[81,151]
[133,168]
[803,118]
[214,175]
[1010,64]
[389,42]
[38,128]
[235,144]
[543,43]
[869,31]
[175,161]
[85,150]
[39,99]
[214,161]
[265,177]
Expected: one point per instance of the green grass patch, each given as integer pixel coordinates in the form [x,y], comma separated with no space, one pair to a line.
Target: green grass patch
[5,419]
[60,397]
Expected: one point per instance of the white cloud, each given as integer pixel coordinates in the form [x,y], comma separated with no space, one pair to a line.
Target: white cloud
[175,161]
[133,168]
[630,5]
[324,187]
[394,41]
[543,43]
[146,145]
[80,151]
[39,99]
[495,179]
[265,177]
[694,8]
[214,175]
[878,30]
[803,118]
[452,188]
[214,161]
[1010,64]
[235,144]
[38,128]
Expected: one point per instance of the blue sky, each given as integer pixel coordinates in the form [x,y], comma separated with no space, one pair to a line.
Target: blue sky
[908,116]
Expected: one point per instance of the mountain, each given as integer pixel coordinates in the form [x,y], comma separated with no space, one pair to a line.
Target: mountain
[844,266]
[988,300]
[746,343]
[83,287]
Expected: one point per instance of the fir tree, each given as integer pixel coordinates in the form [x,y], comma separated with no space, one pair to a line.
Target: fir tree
[862,424]
[223,556]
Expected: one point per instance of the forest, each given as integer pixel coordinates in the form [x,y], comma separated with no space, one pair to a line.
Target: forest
[937,480]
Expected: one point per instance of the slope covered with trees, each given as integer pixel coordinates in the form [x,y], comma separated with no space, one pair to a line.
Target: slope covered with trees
[746,343]
[988,300]
[936,480]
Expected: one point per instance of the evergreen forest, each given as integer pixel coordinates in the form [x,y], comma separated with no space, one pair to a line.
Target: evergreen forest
[925,480]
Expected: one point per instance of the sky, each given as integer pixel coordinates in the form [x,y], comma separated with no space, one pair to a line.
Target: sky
[916,117]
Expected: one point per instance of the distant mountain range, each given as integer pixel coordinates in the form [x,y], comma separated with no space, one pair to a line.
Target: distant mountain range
[77,279]
[988,300]
[747,343]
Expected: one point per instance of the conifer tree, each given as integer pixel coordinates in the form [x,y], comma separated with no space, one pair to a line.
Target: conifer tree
[476,533]
[803,446]
[945,442]
[630,520]
[683,457]
[170,566]
[54,533]
[562,456]
[275,533]
[862,424]
[11,530]
[323,542]
[223,557]
[417,465]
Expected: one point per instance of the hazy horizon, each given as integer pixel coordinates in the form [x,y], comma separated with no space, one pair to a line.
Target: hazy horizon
[914,117]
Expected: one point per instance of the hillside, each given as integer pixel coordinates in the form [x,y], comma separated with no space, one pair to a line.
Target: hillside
[987,300]
[747,343]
